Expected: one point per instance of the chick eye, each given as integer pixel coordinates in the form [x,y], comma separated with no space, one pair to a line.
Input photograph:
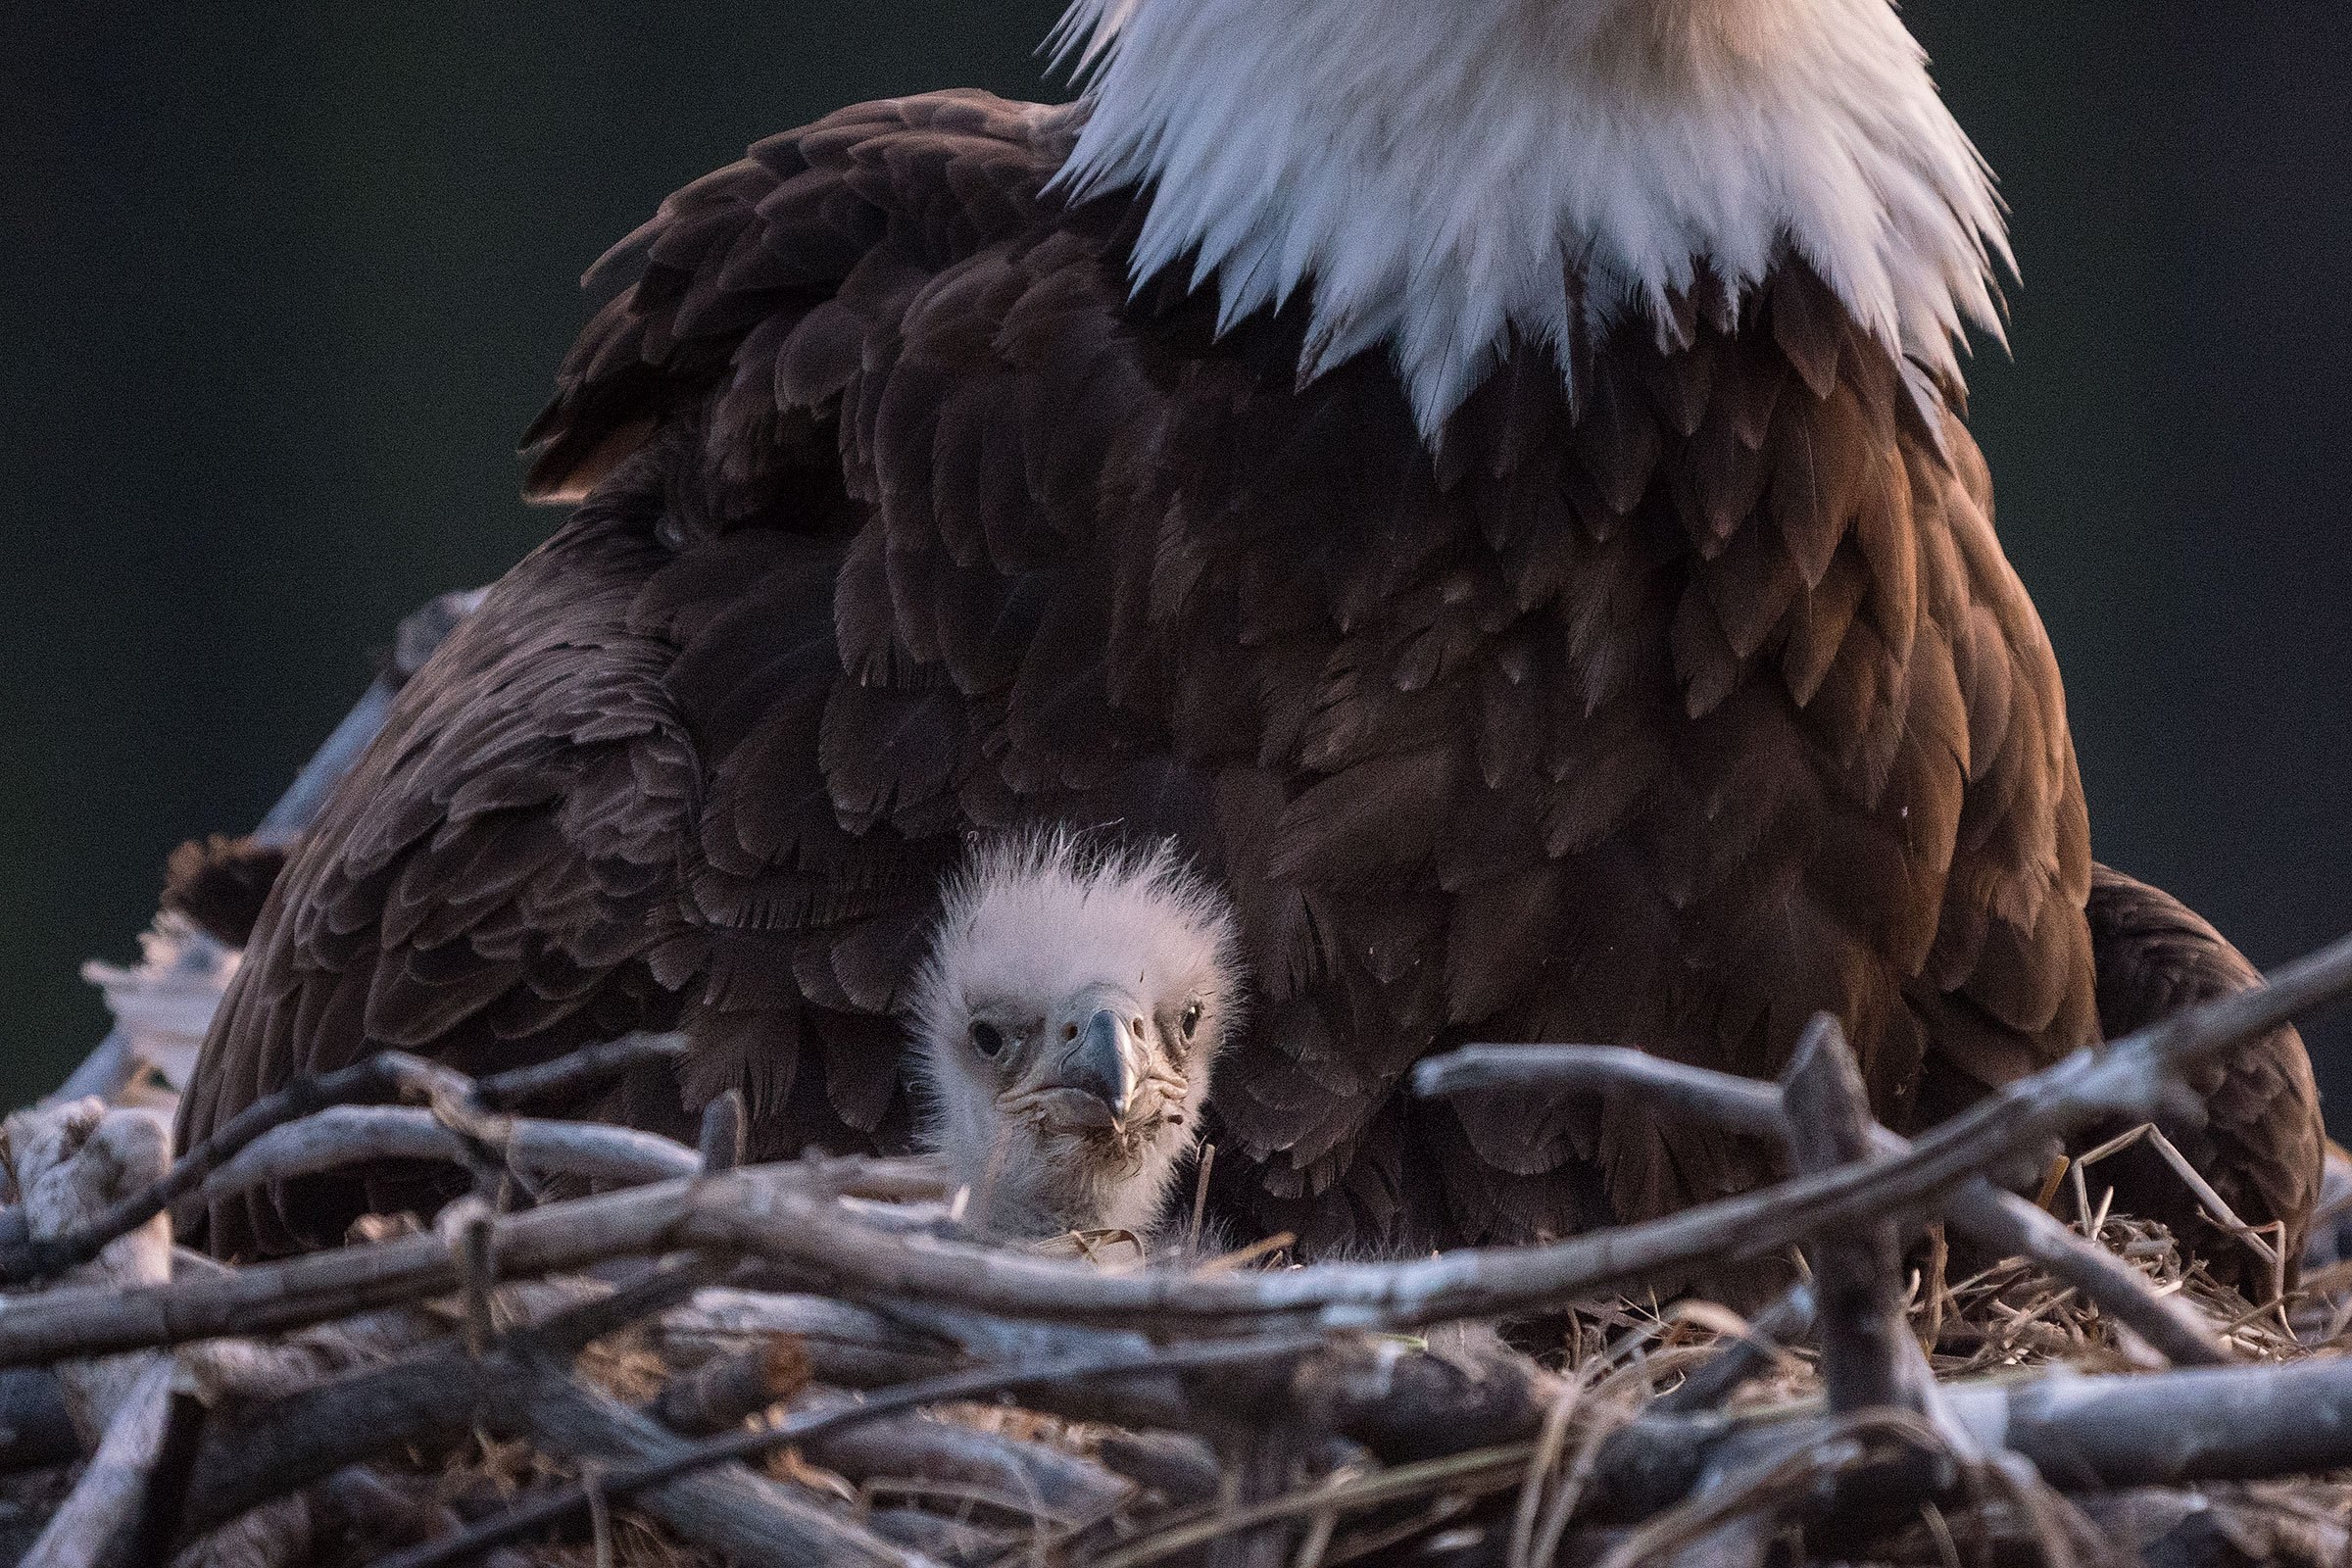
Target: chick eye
[987,1038]
[1192,1020]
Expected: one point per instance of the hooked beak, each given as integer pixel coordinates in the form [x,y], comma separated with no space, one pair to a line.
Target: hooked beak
[1097,1065]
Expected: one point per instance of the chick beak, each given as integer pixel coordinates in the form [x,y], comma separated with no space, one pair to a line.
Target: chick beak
[1097,1065]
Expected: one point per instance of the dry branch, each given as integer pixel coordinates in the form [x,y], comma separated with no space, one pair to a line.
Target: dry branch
[848,1347]
[257,1451]
[756,1521]
[2207,1424]
[778,1213]
[464,1109]
[729,1390]
[1869,1358]
[1048,1484]
[1757,1346]
[357,1135]
[685,1458]
[2001,1222]
[106,1504]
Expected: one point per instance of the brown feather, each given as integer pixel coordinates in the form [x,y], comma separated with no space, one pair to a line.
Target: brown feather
[1664,718]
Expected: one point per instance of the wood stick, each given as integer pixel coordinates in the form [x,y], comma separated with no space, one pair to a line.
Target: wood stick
[355,1135]
[1053,1483]
[461,1104]
[2172,1428]
[727,1391]
[107,1502]
[725,1138]
[1712,1382]
[322,1286]
[848,1347]
[2001,1222]
[772,1214]
[384,1076]
[1868,1356]
[1179,1466]
[256,1451]
[565,1503]
[1406,1406]
[583,1069]
[1696,1094]
[756,1521]
[2181,1428]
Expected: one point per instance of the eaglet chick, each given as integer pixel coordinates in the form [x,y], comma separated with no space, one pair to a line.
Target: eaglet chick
[1075,998]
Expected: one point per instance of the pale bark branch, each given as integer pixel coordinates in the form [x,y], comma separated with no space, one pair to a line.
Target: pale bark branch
[267,1132]
[1868,1358]
[2001,1222]
[107,1502]
[536,1514]
[356,1135]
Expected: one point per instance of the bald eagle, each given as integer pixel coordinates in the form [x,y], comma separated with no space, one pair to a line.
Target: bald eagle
[1067,1025]
[1488,480]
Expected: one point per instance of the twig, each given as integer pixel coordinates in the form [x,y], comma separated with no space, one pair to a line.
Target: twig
[1709,1385]
[848,1347]
[356,1135]
[773,1214]
[386,1075]
[536,1514]
[586,1068]
[789,1215]
[2001,1222]
[727,1391]
[1406,1406]
[752,1520]
[725,1132]
[1698,1094]
[1794,1471]
[2209,1424]
[256,1451]
[2168,1429]
[912,1445]
[1179,1466]
[1201,1175]
[262,1143]
[1869,1358]
[107,1502]
[1478,1471]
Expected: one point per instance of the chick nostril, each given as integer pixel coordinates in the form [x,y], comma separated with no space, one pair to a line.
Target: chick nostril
[1069,1031]
[1136,1024]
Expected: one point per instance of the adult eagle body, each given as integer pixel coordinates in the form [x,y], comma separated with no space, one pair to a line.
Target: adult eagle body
[1489,478]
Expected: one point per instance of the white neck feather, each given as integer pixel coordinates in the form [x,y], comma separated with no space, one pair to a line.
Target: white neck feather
[1439,173]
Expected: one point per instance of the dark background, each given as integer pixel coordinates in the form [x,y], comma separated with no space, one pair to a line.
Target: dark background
[280,285]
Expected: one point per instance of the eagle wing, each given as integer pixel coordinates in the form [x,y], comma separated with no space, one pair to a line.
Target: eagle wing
[488,885]
[2257,1135]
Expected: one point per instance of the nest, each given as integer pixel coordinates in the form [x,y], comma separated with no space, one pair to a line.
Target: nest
[814,1362]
